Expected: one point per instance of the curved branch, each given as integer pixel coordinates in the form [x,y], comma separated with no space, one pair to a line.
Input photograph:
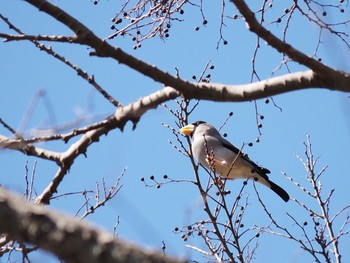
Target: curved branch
[327,77]
[67,237]
[283,47]
[132,112]
[264,88]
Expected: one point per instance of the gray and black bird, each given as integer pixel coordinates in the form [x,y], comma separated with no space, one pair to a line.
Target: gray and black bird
[219,155]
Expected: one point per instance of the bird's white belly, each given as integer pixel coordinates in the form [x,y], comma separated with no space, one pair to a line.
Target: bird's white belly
[226,164]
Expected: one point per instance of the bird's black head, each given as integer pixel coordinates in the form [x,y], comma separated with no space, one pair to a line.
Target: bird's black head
[197,123]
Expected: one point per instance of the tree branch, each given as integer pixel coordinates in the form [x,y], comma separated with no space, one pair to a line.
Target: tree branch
[265,88]
[28,149]
[328,73]
[325,77]
[21,37]
[67,237]
[131,112]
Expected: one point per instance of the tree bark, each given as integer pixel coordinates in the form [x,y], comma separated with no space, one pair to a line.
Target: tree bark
[67,237]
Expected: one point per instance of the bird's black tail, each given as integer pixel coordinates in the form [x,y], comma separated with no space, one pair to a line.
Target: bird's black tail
[280,191]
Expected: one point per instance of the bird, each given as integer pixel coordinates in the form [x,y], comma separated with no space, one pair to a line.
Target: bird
[216,153]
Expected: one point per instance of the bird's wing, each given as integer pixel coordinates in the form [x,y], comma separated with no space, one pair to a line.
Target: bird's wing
[260,170]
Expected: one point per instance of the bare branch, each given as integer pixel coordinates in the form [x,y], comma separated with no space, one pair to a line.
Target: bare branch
[336,80]
[282,46]
[131,112]
[51,52]
[64,39]
[108,195]
[28,149]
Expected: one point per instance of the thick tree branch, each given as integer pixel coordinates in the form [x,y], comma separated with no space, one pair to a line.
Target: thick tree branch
[67,237]
[103,49]
[261,89]
[327,77]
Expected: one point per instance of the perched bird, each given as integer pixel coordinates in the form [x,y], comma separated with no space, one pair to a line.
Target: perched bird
[219,155]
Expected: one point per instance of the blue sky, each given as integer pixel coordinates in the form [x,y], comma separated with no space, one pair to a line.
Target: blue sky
[149,215]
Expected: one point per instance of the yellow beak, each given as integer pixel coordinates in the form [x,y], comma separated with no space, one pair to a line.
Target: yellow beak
[187,130]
